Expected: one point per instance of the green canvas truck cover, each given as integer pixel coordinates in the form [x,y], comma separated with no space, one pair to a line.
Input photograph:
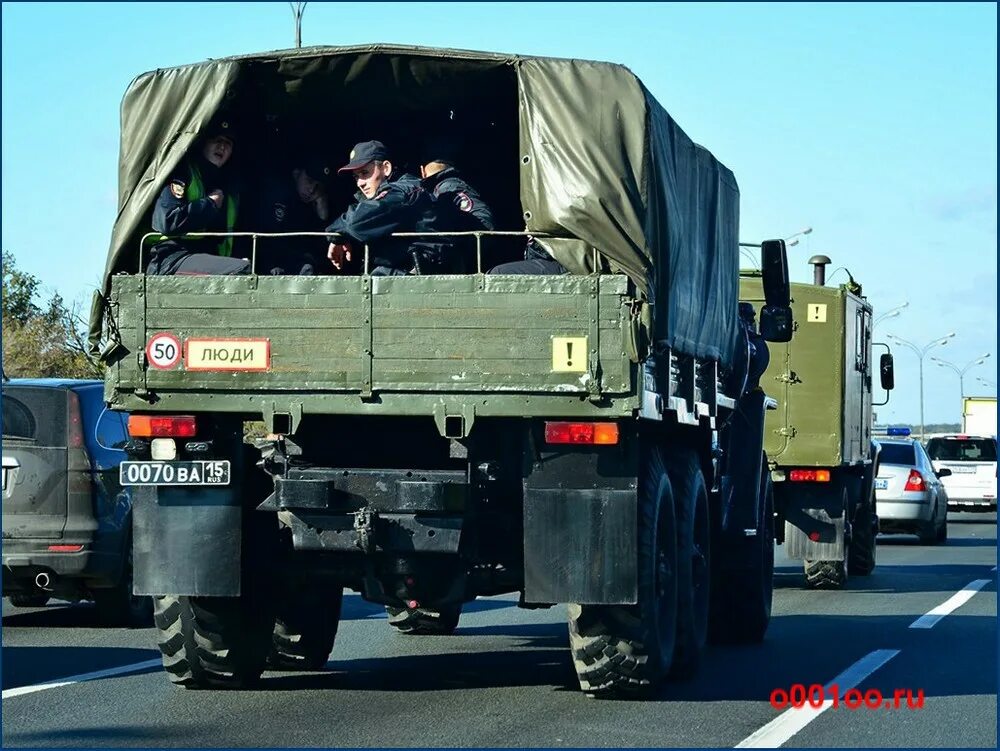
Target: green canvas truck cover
[601,165]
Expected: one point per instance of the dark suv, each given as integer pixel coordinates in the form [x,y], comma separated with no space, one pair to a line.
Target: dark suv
[66,518]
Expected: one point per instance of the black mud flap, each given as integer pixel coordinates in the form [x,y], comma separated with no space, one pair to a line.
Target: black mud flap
[186,541]
[580,546]
[740,484]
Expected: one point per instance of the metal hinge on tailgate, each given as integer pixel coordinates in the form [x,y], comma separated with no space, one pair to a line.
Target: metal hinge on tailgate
[594,382]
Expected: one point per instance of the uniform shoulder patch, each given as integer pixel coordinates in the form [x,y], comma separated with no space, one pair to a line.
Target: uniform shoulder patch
[279,212]
[177,188]
[464,202]
[381,195]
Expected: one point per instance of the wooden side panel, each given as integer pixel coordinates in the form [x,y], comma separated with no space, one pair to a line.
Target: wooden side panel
[409,334]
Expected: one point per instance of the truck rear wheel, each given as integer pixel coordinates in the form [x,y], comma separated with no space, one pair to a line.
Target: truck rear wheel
[212,642]
[743,590]
[305,629]
[861,555]
[831,574]
[626,650]
[693,563]
[424,622]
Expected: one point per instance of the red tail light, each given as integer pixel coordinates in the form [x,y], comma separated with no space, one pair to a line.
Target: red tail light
[65,548]
[915,481]
[809,475]
[74,432]
[166,426]
[594,433]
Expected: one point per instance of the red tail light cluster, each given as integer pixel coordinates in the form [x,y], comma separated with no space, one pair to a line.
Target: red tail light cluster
[809,475]
[74,437]
[915,481]
[593,433]
[166,426]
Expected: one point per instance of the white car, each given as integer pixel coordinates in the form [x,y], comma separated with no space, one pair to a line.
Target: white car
[972,460]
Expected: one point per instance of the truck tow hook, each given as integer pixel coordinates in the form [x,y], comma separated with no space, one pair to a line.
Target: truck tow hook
[364,528]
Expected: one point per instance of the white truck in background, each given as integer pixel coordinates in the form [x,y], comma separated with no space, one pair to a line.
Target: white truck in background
[979,415]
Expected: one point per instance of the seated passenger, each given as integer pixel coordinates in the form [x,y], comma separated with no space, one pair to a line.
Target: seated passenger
[293,199]
[387,201]
[200,196]
[536,261]
[458,207]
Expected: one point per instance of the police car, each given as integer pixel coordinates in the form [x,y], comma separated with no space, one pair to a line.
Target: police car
[972,459]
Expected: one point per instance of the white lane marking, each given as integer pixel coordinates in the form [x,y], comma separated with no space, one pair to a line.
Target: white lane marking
[779,730]
[133,668]
[953,603]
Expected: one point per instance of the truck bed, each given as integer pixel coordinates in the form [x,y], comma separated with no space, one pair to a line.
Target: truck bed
[393,345]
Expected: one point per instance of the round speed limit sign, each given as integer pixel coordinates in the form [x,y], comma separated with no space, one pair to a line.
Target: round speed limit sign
[163,351]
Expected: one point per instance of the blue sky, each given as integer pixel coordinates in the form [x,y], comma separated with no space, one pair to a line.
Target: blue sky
[875,124]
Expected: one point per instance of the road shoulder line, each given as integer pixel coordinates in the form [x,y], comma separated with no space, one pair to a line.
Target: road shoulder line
[779,730]
[10,693]
[957,600]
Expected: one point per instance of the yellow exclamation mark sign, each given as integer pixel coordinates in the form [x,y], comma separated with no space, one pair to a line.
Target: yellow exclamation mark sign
[569,354]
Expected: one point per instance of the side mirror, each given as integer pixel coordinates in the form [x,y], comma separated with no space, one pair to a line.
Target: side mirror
[943,472]
[886,374]
[774,274]
[776,323]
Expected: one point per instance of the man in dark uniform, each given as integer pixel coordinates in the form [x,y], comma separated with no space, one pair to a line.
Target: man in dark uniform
[293,199]
[201,196]
[387,201]
[458,207]
[536,261]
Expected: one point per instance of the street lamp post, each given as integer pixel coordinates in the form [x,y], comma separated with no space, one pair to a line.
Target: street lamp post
[961,371]
[921,352]
[791,239]
[891,313]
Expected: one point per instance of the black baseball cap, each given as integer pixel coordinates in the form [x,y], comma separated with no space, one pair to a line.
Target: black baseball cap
[365,152]
[222,125]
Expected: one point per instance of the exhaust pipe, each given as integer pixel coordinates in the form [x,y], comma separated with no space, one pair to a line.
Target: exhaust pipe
[819,264]
[42,580]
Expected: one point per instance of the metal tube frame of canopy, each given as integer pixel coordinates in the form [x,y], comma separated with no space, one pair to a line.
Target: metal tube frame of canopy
[478,235]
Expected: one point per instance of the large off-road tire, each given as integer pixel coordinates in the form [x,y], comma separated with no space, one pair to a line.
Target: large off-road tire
[862,551]
[212,642]
[28,601]
[626,650]
[224,642]
[424,622]
[832,574]
[305,629]
[743,585]
[693,561]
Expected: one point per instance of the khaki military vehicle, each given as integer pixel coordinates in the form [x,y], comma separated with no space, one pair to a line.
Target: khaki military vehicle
[819,439]
[593,438]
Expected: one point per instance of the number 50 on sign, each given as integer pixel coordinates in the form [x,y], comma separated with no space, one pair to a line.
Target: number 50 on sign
[163,351]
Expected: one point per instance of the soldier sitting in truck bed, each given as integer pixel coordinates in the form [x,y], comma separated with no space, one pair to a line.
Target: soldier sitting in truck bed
[200,197]
[387,201]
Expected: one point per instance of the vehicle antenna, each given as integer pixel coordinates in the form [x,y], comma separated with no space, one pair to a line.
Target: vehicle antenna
[297,10]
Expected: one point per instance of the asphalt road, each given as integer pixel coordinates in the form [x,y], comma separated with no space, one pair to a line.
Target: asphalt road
[505,678]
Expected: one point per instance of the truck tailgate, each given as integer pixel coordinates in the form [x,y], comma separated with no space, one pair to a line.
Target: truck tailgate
[444,334]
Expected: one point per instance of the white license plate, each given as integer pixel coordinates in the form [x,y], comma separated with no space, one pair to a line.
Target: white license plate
[881,484]
[201,472]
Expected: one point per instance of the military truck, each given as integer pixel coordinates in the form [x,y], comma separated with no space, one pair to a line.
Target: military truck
[818,440]
[592,438]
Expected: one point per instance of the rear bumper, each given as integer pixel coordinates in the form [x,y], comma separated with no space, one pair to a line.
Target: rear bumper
[898,514]
[972,503]
[23,560]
